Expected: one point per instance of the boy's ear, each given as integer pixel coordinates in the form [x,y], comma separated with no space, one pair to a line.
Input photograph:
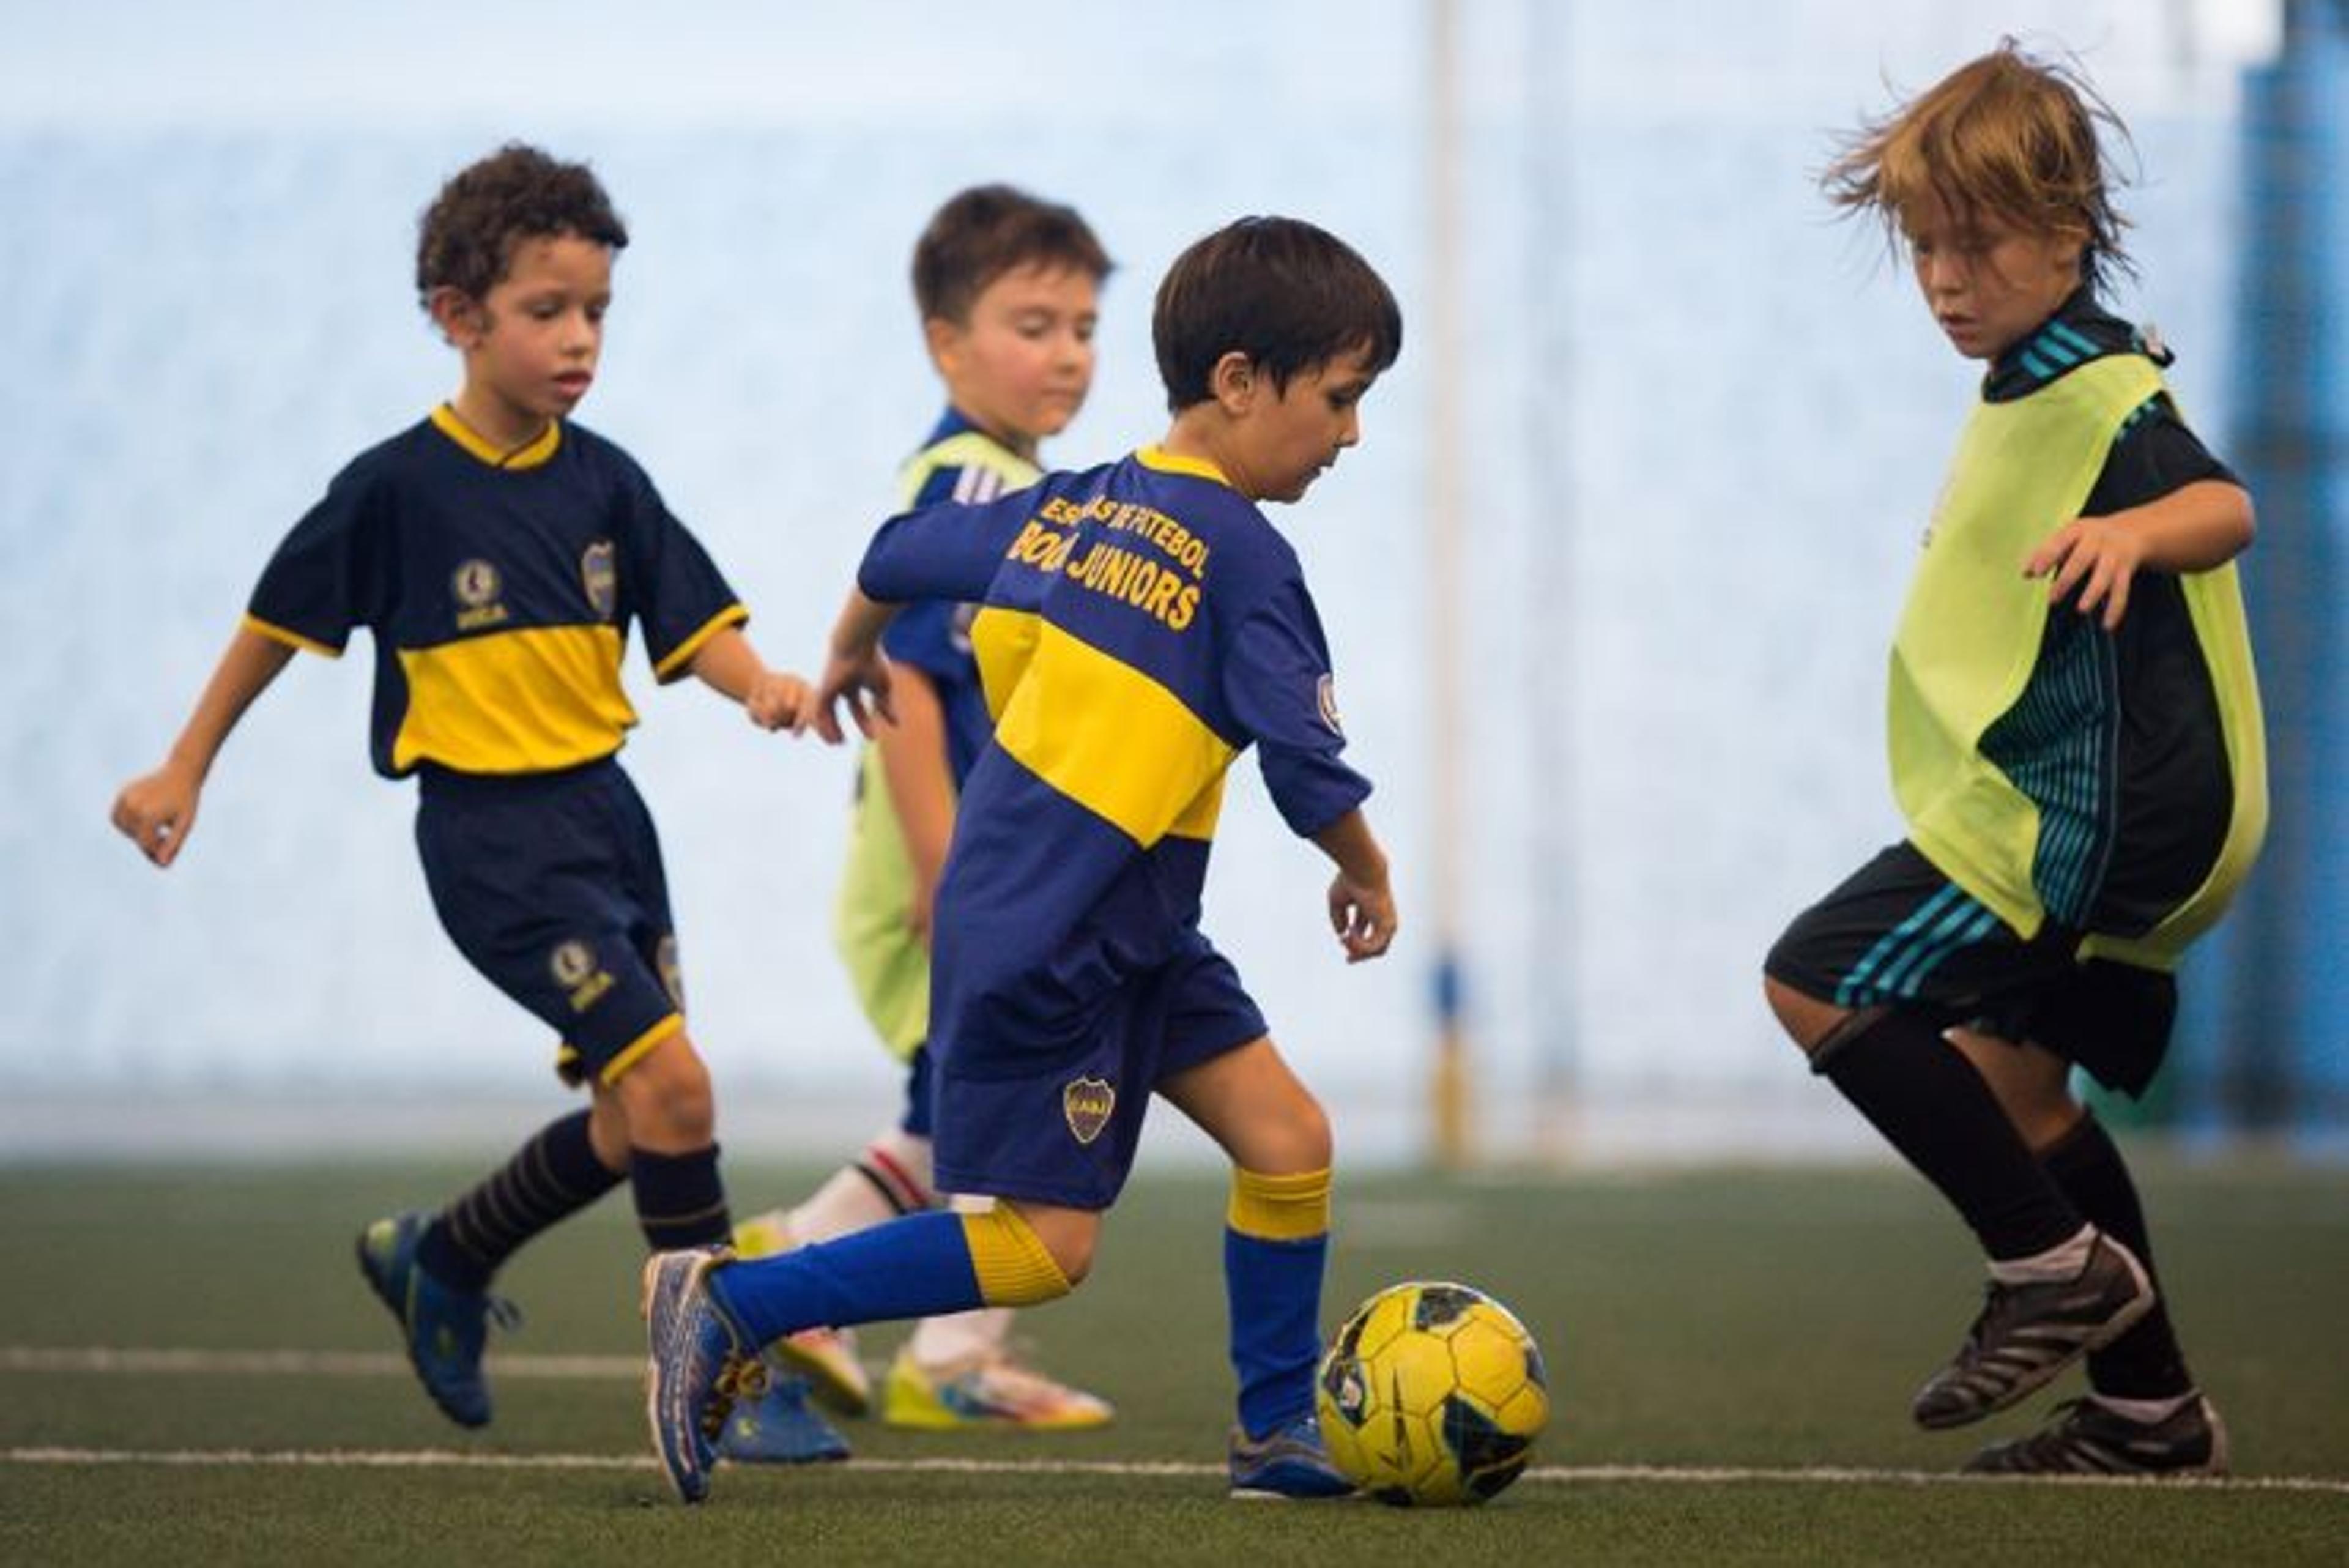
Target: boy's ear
[458,314]
[943,339]
[1233,382]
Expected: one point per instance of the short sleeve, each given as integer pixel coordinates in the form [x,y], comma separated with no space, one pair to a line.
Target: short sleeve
[2155,455]
[1279,685]
[331,572]
[675,590]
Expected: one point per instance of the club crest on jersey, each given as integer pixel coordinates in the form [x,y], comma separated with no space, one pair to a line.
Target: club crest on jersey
[477,587]
[1325,696]
[573,964]
[598,578]
[1087,1102]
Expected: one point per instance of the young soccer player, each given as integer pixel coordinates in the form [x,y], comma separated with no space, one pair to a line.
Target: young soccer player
[497,552]
[2076,746]
[1141,625]
[1006,287]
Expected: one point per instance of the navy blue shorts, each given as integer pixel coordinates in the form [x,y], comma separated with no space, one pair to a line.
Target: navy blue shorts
[1061,1127]
[550,885]
[1898,934]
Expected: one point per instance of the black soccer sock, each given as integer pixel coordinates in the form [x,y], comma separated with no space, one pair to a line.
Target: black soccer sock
[680,1202]
[2147,1362]
[549,1178]
[1931,1105]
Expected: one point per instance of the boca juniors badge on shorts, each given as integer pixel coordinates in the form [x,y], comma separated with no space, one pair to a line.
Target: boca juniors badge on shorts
[598,578]
[573,964]
[1087,1102]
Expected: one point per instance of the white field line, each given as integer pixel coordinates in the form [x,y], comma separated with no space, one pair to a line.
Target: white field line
[371,1364]
[1583,1475]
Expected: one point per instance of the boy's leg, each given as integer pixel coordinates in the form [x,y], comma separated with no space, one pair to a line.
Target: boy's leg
[1899,950]
[957,1372]
[707,1318]
[664,1099]
[551,1178]
[1275,1244]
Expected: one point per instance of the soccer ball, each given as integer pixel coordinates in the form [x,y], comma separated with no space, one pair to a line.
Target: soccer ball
[1432,1395]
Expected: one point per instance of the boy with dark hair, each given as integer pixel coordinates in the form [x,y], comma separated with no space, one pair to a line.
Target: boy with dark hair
[1007,286]
[1141,625]
[497,552]
[2081,765]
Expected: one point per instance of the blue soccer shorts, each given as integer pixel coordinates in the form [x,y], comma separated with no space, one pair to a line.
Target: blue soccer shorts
[551,886]
[1060,1124]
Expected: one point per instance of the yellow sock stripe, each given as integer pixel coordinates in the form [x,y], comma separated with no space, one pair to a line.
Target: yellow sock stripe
[1010,1261]
[1280,1208]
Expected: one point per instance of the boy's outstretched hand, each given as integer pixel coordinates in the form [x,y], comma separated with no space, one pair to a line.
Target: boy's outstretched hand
[156,812]
[859,680]
[775,700]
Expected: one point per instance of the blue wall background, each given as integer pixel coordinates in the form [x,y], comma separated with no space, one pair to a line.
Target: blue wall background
[1702,423]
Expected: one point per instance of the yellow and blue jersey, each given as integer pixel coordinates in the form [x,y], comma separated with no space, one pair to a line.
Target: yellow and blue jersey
[499,591]
[1141,625]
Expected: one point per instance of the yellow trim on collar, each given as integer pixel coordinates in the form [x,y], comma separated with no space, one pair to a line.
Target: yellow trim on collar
[538,449]
[1164,461]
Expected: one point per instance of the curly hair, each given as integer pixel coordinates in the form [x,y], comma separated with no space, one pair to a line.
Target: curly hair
[465,239]
[2008,136]
[988,230]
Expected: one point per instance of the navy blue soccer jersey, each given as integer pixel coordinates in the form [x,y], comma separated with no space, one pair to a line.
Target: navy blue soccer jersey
[499,594]
[1141,625]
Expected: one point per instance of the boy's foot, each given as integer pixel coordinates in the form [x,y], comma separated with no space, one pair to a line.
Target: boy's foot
[445,1327]
[993,1391]
[2087,1438]
[2028,1333]
[826,1358]
[780,1428]
[700,1365]
[1291,1462]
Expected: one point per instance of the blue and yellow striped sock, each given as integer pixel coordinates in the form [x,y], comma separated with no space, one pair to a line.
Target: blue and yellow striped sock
[916,1266]
[1275,1239]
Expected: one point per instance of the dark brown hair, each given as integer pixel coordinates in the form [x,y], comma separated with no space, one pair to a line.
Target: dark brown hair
[988,230]
[1288,295]
[465,239]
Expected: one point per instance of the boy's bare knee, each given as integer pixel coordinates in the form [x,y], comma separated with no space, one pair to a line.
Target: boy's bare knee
[1809,1023]
[668,1099]
[1070,1235]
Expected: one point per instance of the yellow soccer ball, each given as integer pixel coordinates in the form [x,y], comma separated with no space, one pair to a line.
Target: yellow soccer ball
[1432,1395]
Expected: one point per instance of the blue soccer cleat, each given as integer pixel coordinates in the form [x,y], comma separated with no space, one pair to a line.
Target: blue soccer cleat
[700,1366]
[781,1427]
[1290,1462]
[445,1327]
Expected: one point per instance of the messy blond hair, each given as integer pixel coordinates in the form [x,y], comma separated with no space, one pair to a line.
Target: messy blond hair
[2008,137]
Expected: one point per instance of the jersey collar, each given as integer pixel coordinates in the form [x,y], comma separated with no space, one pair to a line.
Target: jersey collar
[537,451]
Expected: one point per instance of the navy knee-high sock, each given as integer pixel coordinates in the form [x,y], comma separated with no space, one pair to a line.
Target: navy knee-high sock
[549,1178]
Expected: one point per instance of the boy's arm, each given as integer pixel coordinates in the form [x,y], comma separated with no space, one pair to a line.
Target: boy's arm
[853,671]
[158,811]
[729,666]
[1361,904]
[2193,528]
[920,783]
